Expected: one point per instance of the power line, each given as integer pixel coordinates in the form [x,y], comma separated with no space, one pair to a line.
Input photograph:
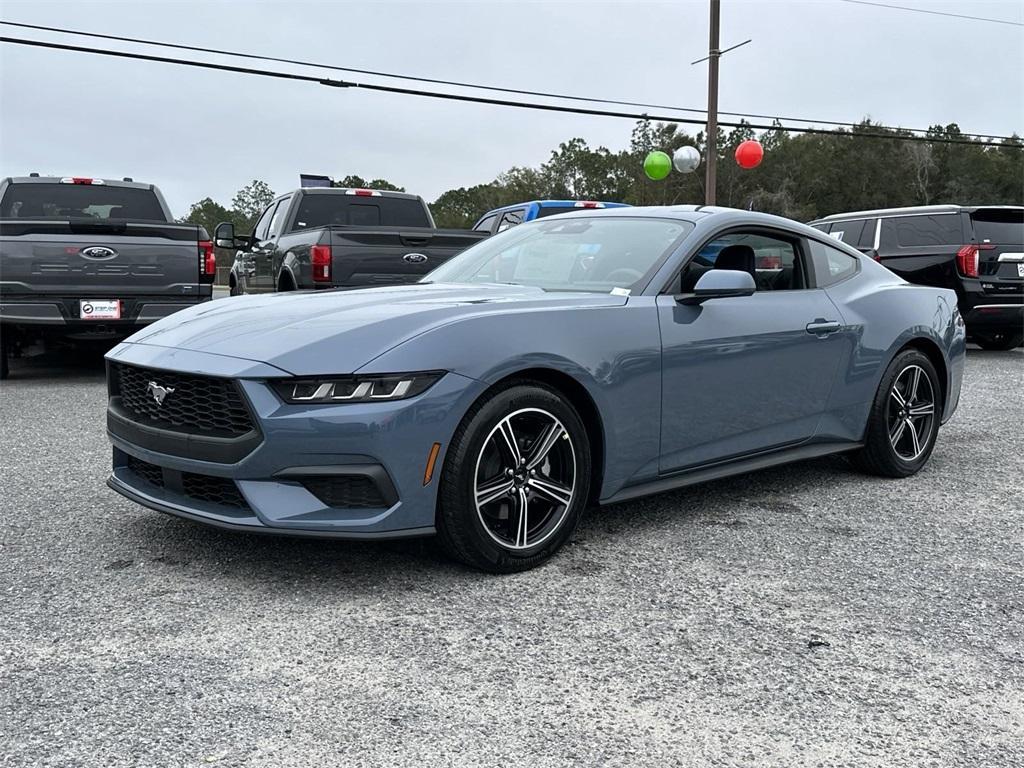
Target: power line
[935,13]
[461,97]
[413,78]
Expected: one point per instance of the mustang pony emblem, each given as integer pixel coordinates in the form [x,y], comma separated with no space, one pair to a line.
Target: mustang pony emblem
[158,392]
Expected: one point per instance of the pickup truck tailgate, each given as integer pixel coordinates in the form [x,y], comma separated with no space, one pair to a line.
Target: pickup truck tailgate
[107,258]
[389,255]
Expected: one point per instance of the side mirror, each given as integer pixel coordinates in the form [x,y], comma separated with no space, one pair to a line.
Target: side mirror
[719,284]
[224,236]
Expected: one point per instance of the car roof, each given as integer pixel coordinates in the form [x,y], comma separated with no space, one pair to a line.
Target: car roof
[554,204]
[57,179]
[699,214]
[344,190]
[914,210]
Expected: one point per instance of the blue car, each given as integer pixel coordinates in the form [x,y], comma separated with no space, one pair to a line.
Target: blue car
[500,219]
[493,403]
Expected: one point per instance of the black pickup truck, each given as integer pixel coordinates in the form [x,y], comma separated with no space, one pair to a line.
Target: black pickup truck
[85,259]
[339,238]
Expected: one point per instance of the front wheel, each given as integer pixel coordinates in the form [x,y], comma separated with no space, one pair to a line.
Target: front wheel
[515,481]
[904,418]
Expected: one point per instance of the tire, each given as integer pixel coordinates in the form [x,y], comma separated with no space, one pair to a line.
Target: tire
[553,463]
[285,283]
[234,289]
[890,450]
[5,369]
[999,342]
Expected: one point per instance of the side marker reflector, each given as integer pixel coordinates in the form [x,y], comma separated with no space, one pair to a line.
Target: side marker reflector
[428,473]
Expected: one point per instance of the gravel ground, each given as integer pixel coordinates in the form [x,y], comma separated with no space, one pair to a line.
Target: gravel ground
[799,616]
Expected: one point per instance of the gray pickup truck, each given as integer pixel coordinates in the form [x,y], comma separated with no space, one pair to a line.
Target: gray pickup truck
[86,259]
[339,238]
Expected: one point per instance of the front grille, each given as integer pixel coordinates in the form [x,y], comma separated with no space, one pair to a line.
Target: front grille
[151,473]
[216,490]
[347,491]
[197,404]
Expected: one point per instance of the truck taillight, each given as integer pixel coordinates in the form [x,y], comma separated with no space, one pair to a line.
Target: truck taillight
[968,256]
[207,259]
[320,255]
[587,204]
[363,192]
[80,180]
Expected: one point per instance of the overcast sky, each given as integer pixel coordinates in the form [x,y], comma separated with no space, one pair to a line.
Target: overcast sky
[199,133]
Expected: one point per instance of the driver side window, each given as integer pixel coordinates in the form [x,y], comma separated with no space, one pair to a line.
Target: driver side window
[259,233]
[774,262]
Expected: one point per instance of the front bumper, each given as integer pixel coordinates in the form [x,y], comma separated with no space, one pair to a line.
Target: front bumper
[390,442]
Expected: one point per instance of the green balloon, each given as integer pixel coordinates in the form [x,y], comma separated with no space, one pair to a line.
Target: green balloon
[657,165]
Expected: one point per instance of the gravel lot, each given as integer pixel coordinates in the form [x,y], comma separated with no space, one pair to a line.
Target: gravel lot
[677,630]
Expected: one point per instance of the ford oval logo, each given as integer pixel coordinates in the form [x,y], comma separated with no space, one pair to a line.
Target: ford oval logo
[415,258]
[98,252]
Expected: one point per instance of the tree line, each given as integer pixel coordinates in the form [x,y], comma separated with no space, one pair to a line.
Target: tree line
[802,176]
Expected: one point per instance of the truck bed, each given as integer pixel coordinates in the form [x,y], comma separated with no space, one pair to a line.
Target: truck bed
[389,255]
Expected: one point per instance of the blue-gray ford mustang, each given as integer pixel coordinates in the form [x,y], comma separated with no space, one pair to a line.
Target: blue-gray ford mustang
[576,360]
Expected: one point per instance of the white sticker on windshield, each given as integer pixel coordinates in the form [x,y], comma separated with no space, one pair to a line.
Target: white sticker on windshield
[837,235]
[620,291]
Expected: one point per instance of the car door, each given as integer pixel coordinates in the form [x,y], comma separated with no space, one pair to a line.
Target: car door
[275,254]
[751,373]
[256,262]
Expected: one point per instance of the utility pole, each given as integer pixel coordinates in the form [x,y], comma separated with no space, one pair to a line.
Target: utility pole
[711,150]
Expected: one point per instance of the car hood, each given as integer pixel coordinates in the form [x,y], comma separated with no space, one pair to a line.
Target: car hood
[337,332]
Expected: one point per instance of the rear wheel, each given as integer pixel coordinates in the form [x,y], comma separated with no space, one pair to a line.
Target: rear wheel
[904,418]
[285,282]
[233,286]
[515,480]
[999,342]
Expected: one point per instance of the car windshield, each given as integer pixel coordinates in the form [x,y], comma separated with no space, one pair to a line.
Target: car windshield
[593,254]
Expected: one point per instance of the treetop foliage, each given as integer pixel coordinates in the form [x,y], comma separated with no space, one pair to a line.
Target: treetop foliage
[802,176]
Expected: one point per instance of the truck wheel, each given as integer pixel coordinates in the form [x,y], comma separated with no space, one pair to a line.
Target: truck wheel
[4,368]
[233,287]
[999,342]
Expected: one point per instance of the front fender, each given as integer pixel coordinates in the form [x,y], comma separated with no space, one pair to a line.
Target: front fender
[613,352]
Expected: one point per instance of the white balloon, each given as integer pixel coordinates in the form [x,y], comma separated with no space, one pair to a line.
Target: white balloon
[686,159]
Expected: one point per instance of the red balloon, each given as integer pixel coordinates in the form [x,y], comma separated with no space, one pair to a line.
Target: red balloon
[749,154]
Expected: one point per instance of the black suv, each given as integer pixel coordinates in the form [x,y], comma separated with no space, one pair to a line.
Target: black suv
[977,251]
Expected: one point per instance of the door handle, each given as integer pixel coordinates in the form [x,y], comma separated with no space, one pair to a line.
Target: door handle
[822,327]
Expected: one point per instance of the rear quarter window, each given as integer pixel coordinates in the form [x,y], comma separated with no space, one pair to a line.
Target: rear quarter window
[830,264]
[916,231]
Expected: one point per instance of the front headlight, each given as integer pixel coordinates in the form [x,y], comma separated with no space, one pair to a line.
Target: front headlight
[355,388]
